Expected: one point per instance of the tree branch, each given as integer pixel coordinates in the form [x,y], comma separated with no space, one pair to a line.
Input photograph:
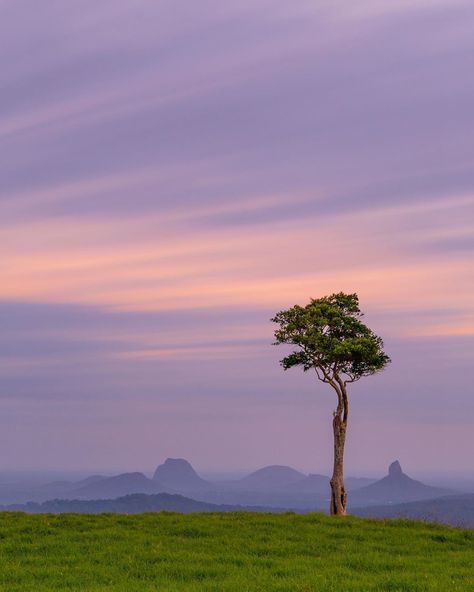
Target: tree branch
[317,374]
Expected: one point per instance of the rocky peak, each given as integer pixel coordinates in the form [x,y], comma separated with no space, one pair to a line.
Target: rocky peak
[395,469]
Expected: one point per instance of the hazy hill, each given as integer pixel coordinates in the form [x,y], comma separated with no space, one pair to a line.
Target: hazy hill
[270,478]
[112,487]
[59,487]
[396,487]
[457,510]
[23,492]
[178,474]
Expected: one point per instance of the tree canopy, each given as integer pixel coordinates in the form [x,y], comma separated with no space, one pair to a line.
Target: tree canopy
[331,339]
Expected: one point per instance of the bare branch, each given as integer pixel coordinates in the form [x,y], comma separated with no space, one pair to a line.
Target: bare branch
[317,374]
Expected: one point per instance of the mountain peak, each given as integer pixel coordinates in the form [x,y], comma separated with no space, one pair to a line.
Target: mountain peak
[178,473]
[396,487]
[395,469]
[272,476]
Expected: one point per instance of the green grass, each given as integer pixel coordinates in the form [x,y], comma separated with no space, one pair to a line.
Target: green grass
[236,551]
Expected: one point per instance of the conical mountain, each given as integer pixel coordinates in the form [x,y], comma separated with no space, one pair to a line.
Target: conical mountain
[396,487]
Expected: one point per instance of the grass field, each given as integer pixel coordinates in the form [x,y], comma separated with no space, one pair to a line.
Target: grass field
[236,551]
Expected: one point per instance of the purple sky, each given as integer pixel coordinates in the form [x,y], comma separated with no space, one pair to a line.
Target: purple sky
[173,173]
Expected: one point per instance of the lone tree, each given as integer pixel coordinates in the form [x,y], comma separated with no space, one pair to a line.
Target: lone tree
[332,340]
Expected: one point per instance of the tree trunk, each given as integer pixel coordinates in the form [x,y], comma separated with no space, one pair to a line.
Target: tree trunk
[339,424]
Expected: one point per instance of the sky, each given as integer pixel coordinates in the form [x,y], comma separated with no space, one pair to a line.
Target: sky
[175,172]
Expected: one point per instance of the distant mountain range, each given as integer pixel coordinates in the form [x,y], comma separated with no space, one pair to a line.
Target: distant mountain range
[272,487]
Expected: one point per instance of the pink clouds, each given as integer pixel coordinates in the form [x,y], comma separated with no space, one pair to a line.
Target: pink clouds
[181,259]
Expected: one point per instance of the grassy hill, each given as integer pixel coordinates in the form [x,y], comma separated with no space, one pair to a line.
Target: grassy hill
[230,551]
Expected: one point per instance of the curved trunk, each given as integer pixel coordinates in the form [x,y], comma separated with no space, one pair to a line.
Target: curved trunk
[339,423]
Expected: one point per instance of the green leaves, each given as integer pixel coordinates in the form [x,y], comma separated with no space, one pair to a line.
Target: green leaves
[330,337]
